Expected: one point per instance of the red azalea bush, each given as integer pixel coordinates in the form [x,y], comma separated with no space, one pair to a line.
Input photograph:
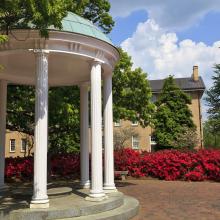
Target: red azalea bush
[62,165]
[166,165]
[19,167]
[65,165]
[171,164]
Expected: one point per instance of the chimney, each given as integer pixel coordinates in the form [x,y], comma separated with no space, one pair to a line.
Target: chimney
[195,75]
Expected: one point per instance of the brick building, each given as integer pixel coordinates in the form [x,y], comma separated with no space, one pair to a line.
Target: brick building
[19,144]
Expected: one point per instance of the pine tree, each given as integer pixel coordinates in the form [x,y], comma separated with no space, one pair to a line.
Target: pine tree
[213,100]
[173,116]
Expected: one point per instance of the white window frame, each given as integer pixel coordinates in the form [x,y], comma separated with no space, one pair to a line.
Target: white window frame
[132,143]
[10,145]
[117,124]
[23,139]
[152,142]
[134,123]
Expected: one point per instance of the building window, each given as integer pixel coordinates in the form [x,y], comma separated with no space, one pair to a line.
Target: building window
[135,142]
[117,123]
[12,145]
[23,145]
[152,140]
[152,143]
[134,123]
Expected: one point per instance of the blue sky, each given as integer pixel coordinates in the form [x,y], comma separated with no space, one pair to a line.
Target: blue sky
[169,37]
[205,30]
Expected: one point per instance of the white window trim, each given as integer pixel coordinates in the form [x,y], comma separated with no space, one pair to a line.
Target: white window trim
[12,151]
[117,124]
[152,142]
[134,123]
[23,151]
[132,143]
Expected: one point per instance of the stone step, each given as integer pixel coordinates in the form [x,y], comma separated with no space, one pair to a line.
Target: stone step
[125,212]
[69,206]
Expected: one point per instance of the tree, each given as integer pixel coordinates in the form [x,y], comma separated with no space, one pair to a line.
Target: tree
[20,109]
[63,125]
[41,14]
[213,100]
[64,119]
[131,93]
[96,11]
[211,134]
[122,135]
[173,115]
[187,139]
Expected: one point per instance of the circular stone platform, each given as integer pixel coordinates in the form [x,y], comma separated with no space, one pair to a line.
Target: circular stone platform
[67,203]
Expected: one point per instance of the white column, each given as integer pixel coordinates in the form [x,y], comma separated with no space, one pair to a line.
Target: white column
[3,109]
[96,125]
[109,184]
[40,198]
[84,136]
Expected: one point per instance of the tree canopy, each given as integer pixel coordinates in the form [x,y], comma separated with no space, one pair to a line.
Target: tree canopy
[213,100]
[173,116]
[211,134]
[96,11]
[131,92]
[44,13]
[41,14]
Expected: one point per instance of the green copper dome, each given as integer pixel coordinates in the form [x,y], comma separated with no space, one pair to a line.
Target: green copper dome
[76,24]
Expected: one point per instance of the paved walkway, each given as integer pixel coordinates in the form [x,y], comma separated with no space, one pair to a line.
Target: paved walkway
[163,200]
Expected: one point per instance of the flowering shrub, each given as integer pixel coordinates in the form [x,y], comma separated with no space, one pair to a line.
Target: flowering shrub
[171,164]
[62,165]
[20,168]
[165,165]
[65,165]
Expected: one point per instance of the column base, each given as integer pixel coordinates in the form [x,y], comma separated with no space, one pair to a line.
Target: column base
[39,204]
[107,191]
[85,185]
[96,196]
[91,198]
[109,188]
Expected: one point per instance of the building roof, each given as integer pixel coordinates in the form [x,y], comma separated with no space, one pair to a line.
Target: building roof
[186,84]
[75,24]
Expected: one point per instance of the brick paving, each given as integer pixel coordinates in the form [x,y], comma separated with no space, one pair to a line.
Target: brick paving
[174,200]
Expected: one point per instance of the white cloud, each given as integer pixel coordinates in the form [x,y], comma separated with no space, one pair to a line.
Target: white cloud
[159,53]
[169,14]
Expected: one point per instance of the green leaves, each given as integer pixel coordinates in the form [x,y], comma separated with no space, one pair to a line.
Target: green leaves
[213,99]
[96,11]
[64,121]
[131,93]
[3,38]
[41,14]
[212,125]
[173,116]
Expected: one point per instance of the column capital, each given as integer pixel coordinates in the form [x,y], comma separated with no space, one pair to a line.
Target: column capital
[84,84]
[94,62]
